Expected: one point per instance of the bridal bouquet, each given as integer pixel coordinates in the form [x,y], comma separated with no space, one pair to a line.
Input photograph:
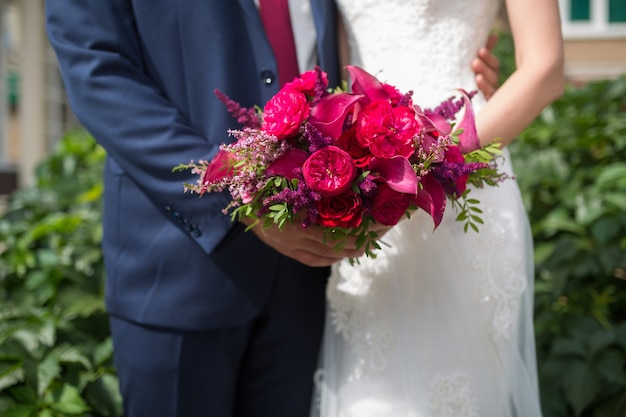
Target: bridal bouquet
[344,160]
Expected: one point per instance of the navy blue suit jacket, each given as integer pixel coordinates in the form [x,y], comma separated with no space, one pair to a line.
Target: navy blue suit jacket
[140,76]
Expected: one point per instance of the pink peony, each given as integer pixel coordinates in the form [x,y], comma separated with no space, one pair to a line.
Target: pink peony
[329,171]
[284,113]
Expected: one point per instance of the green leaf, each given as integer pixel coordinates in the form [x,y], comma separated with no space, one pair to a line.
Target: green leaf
[104,396]
[67,400]
[580,385]
[566,347]
[613,407]
[11,373]
[610,365]
[48,370]
[24,394]
[103,352]
[20,411]
[613,175]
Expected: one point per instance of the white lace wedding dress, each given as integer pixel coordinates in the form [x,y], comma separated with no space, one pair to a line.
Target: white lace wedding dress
[440,324]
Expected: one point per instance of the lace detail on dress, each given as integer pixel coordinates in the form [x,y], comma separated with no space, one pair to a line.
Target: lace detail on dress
[452,396]
[352,297]
[502,271]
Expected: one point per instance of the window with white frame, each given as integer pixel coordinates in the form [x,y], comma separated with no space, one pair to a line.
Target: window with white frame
[593,18]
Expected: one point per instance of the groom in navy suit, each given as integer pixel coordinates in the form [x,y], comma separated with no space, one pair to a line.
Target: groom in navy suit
[207,320]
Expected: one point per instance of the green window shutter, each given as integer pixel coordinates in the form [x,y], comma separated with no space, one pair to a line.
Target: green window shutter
[580,10]
[13,88]
[617,11]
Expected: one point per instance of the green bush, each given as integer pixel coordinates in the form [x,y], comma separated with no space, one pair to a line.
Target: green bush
[572,169]
[55,348]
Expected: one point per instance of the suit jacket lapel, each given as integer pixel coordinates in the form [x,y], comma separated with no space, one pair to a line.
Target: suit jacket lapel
[325,18]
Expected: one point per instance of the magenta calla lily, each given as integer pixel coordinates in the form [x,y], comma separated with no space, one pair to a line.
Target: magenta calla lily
[436,121]
[219,168]
[366,84]
[431,198]
[286,165]
[468,140]
[397,173]
[329,115]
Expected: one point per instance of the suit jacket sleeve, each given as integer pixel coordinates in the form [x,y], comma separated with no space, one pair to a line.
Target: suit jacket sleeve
[103,62]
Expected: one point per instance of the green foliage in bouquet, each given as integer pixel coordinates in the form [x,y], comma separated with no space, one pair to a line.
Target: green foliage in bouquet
[571,165]
[55,348]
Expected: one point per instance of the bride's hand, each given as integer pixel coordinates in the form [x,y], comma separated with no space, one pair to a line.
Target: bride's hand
[486,67]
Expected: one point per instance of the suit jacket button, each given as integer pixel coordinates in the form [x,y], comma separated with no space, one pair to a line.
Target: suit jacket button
[195,232]
[268,77]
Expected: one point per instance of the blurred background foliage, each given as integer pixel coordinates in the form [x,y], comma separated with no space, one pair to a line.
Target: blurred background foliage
[571,166]
[55,348]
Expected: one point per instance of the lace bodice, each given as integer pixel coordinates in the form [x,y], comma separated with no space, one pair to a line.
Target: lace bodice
[395,40]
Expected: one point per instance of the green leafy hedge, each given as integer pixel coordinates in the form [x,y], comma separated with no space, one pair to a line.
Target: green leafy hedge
[571,165]
[55,349]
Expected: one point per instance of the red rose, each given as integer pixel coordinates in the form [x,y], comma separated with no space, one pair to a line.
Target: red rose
[388,206]
[343,210]
[329,171]
[284,113]
[348,142]
[389,131]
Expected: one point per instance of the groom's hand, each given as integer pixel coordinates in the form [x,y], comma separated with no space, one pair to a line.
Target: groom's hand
[486,68]
[305,245]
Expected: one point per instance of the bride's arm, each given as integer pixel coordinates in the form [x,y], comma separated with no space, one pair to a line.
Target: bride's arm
[538,79]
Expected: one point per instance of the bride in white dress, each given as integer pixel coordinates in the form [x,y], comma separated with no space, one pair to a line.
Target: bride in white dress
[440,324]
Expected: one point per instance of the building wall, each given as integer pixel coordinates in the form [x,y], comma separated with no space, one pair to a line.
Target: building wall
[592,59]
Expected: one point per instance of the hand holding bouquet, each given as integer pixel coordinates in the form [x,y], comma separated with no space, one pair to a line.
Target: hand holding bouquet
[348,160]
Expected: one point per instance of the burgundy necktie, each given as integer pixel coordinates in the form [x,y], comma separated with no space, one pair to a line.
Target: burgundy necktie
[277,23]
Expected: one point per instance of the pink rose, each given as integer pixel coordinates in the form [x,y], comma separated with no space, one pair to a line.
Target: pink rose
[388,206]
[284,113]
[343,210]
[389,131]
[306,82]
[329,171]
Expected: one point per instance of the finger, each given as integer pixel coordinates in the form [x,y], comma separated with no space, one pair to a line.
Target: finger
[489,74]
[489,59]
[492,41]
[487,87]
